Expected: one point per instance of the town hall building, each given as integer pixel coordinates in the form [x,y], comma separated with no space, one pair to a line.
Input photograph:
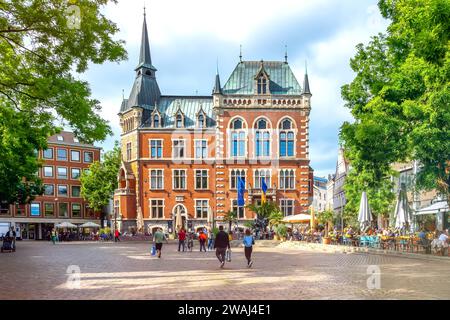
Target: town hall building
[183,155]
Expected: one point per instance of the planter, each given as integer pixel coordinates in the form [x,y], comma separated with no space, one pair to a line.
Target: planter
[326,240]
[275,237]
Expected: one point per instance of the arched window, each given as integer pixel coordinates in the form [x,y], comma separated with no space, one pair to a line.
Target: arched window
[262,141]
[260,175]
[238,138]
[287,179]
[287,140]
[156,121]
[234,175]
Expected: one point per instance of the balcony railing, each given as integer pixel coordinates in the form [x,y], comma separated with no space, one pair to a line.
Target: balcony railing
[258,191]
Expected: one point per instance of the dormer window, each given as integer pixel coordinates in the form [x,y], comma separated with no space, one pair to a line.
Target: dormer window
[156,121]
[201,121]
[262,85]
[179,123]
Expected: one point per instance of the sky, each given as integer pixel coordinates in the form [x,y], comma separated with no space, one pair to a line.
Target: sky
[189,38]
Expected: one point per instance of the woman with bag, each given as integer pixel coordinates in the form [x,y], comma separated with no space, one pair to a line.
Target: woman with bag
[248,241]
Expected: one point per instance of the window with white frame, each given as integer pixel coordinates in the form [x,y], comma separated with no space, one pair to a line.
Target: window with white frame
[48,172]
[62,172]
[48,153]
[261,174]
[178,148]
[201,121]
[75,155]
[75,172]
[262,85]
[287,206]
[201,179]
[239,210]
[201,208]
[156,179]
[201,149]
[157,208]
[286,139]
[179,179]
[62,190]
[262,139]
[156,121]
[287,179]
[76,210]
[179,120]
[61,154]
[49,190]
[235,174]
[89,156]
[238,138]
[155,149]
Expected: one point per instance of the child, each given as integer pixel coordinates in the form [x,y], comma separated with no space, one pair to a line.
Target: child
[248,241]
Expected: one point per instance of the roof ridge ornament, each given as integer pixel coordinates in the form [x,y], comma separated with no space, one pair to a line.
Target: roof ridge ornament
[240,53]
[285,54]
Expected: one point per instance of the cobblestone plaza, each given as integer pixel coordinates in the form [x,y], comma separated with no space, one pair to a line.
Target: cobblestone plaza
[126,270]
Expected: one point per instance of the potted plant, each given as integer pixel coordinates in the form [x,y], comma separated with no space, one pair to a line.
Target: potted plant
[325,218]
[281,231]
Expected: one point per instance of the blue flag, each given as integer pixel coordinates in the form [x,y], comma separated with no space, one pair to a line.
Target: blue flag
[241,190]
[264,190]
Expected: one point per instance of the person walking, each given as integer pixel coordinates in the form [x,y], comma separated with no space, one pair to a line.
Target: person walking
[181,239]
[12,234]
[202,239]
[221,244]
[53,236]
[248,241]
[158,239]
[210,240]
[116,235]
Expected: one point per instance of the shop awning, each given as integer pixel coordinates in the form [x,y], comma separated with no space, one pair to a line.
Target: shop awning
[441,206]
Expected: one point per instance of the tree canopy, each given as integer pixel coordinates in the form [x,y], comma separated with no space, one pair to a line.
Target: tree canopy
[41,50]
[400,100]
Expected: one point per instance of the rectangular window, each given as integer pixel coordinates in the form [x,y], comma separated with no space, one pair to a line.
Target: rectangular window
[157,179]
[61,154]
[89,212]
[155,149]
[239,210]
[62,190]
[238,144]
[20,210]
[62,173]
[49,190]
[76,191]
[75,173]
[76,210]
[287,206]
[35,209]
[201,149]
[201,179]
[262,145]
[128,151]
[201,209]
[48,172]
[178,149]
[235,174]
[179,179]
[4,208]
[48,153]
[49,209]
[157,209]
[75,155]
[88,157]
[63,210]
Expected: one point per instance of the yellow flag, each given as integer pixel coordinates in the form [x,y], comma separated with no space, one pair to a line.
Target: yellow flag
[263,197]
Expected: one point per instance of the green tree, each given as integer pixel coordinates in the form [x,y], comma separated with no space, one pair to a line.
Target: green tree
[400,101]
[263,212]
[230,217]
[275,218]
[40,53]
[325,218]
[100,181]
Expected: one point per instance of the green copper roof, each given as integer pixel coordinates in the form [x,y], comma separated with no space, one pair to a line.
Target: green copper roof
[282,79]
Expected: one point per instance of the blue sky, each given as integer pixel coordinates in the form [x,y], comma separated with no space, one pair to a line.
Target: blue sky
[188,37]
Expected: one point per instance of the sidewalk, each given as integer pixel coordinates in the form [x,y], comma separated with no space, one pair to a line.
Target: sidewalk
[346,249]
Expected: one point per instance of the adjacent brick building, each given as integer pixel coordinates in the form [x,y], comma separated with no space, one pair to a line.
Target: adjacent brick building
[184,153]
[63,162]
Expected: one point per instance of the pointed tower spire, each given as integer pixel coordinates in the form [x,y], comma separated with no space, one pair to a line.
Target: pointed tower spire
[145,59]
[240,53]
[285,54]
[217,87]
[306,89]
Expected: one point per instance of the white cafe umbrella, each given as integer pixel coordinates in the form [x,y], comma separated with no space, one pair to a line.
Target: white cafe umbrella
[90,225]
[65,225]
[401,211]
[364,215]
[210,216]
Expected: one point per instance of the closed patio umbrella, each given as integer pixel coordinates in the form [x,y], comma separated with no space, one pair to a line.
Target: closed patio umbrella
[402,216]
[66,225]
[90,225]
[364,215]
[178,220]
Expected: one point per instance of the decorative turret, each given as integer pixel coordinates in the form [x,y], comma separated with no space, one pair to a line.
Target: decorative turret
[306,89]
